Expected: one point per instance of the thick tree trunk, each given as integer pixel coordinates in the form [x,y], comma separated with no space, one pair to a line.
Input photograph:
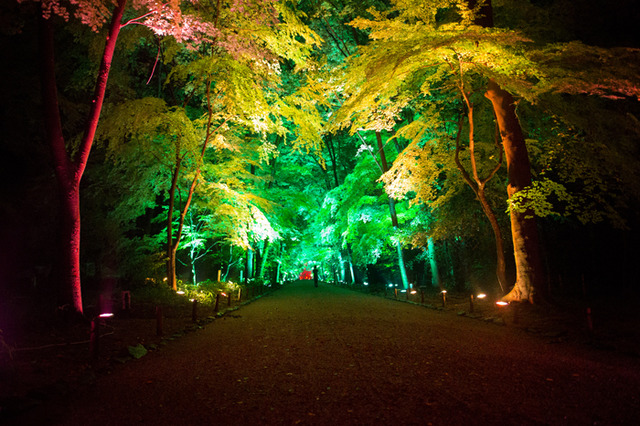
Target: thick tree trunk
[529,272]
[69,170]
[72,289]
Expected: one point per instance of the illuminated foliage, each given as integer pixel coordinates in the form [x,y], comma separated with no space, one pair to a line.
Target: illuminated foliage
[258,119]
[421,51]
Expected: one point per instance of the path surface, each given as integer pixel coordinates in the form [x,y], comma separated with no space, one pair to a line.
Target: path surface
[326,355]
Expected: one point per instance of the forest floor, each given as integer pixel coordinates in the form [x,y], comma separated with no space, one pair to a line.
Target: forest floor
[50,360]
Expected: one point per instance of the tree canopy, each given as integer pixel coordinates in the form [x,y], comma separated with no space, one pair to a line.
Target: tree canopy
[262,137]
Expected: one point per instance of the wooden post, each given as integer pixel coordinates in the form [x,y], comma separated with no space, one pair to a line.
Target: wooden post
[395,293]
[194,311]
[219,273]
[422,296]
[471,303]
[94,339]
[217,305]
[126,300]
[158,321]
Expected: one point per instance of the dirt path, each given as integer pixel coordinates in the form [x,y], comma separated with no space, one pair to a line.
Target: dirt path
[326,355]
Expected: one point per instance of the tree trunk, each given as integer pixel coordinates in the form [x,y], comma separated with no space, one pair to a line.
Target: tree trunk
[263,259]
[171,246]
[334,159]
[433,264]
[350,261]
[497,233]
[230,263]
[524,233]
[249,265]
[394,216]
[69,170]
[529,273]
[478,184]
[72,289]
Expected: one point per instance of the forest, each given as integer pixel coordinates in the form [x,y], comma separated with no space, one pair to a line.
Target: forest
[459,145]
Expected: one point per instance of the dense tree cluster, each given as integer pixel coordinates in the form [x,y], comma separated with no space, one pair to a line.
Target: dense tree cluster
[471,145]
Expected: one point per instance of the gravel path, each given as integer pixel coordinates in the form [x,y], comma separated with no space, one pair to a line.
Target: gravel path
[326,355]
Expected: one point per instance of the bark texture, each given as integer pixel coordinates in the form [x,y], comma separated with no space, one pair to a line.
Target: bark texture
[526,247]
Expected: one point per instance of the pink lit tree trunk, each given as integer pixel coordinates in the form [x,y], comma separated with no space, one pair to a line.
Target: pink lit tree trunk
[68,169]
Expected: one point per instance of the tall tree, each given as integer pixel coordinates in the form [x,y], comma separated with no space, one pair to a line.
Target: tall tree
[415,41]
[69,169]
[384,168]
[192,28]
[70,163]
[529,283]
[476,183]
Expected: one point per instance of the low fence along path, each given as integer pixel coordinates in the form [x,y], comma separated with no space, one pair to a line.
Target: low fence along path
[327,355]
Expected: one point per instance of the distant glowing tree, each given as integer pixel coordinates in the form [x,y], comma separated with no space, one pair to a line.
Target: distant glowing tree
[196,241]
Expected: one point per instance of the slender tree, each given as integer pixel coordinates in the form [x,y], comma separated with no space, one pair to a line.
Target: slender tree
[384,168]
[68,167]
[70,164]
[475,182]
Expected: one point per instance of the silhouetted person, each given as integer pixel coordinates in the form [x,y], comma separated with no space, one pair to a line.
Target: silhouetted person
[315,276]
